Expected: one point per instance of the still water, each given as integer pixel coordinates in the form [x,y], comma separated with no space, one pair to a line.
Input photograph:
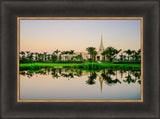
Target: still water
[72,84]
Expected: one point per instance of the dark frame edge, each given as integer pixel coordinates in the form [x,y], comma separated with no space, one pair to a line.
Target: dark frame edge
[156,115]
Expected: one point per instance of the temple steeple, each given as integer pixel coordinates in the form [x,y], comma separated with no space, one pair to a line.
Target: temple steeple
[101,48]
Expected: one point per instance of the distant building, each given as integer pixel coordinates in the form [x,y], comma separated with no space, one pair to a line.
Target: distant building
[84,55]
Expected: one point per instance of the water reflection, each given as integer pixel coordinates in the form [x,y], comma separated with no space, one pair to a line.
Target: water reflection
[110,77]
[58,83]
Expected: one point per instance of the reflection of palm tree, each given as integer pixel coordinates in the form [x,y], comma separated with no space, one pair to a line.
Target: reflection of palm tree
[60,71]
[109,80]
[54,73]
[70,75]
[91,78]
[137,75]
[129,79]
[121,72]
[139,81]
[107,77]
[116,78]
[78,73]
[23,73]
[29,74]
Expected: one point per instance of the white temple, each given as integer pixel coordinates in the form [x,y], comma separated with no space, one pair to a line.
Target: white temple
[85,55]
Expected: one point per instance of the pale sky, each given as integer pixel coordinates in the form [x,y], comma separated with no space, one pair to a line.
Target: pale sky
[49,35]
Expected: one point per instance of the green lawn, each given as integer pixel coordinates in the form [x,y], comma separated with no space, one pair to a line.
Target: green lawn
[87,65]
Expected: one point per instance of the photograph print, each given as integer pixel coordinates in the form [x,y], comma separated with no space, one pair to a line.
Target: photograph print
[76,59]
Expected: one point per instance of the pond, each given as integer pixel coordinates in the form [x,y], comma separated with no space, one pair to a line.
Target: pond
[78,84]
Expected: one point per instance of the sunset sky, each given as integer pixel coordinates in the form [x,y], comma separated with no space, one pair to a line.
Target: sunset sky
[49,35]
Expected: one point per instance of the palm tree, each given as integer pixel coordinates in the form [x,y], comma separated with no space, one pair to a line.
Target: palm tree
[71,52]
[121,57]
[78,57]
[57,52]
[124,57]
[60,57]
[28,53]
[138,55]
[104,53]
[53,57]
[23,56]
[111,53]
[94,55]
[36,56]
[133,55]
[128,52]
[30,57]
[45,56]
[116,52]
[48,57]
[92,52]
[40,57]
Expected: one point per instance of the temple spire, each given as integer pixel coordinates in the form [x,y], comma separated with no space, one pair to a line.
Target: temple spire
[101,48]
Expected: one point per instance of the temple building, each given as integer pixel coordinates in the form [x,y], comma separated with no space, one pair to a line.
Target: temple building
[85,55]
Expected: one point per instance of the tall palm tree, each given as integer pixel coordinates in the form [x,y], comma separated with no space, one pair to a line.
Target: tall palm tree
[54,57]
[45,56]
[104,53]
[92,52]
[22,55]
[121,57]
[48,57]
[40,57]
[111,53]
[138,55]
[36,56]
[28,53]
[71,52]
[30,57]
[133,55]
[56,52]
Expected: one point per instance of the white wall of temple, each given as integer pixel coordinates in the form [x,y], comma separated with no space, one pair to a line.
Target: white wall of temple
[85,56]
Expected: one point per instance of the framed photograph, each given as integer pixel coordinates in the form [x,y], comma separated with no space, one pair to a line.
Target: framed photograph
[58,60]
[80,59]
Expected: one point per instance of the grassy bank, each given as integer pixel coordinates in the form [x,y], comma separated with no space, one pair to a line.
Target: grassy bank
[95,65]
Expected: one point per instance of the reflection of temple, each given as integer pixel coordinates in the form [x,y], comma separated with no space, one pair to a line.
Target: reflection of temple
[100,80]
[108,76]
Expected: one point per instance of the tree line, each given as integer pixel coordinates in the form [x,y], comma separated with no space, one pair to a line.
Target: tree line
[109,54]
[27,56]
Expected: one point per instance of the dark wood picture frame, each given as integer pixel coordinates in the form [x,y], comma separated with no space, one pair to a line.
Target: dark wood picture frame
[11,9]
